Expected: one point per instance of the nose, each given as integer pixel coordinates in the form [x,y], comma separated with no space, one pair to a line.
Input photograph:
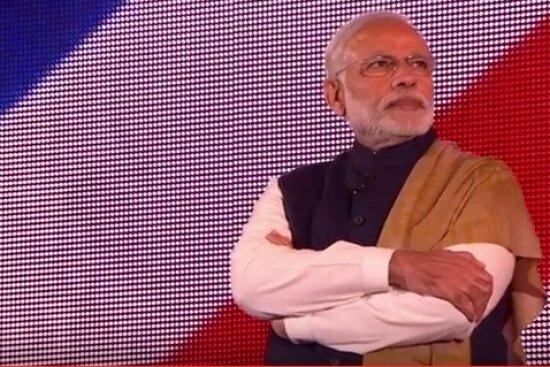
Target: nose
[403,78]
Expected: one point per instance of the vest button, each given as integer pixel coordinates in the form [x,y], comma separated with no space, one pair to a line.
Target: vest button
[358,220]
[334,361]
[367,176]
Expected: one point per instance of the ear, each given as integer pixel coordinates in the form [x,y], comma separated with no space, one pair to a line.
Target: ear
[334,96]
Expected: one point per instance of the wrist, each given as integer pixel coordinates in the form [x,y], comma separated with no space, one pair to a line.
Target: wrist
[396,269]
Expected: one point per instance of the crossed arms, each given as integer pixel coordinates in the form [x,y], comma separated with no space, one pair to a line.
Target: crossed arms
[361,299]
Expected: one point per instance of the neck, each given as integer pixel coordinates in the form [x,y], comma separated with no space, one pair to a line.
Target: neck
[376,143]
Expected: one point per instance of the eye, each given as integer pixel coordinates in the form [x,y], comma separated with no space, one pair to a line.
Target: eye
[420,64]
[377,66]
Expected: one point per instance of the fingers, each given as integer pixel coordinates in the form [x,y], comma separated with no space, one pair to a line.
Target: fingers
[456,277]
[465,305]
[480,286]
[471,302]
[472,291]
[482,298]
[278,326]
[477,306]
[278,239]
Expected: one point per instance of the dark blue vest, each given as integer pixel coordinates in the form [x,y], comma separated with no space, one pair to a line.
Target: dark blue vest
[349,198]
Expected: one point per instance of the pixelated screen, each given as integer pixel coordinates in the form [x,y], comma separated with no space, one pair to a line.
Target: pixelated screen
[136,135]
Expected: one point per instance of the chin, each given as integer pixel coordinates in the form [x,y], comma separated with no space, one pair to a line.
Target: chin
[411,126]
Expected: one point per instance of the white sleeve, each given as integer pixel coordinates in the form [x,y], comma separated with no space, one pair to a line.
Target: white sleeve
[399,318]
[269,281]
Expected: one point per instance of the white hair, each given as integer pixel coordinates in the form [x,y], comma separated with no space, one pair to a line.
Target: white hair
[336,47]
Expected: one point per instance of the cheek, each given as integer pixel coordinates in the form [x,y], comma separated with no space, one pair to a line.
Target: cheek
[367,93]
[427,89]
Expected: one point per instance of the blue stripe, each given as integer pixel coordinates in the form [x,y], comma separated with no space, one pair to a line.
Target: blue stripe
[36,35]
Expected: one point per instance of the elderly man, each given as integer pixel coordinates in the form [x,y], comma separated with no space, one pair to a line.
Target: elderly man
[400,250]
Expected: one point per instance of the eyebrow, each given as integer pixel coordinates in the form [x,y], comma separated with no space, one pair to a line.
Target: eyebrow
[420,55]
[416,54]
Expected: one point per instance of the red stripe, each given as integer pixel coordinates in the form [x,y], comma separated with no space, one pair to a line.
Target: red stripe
[510,106]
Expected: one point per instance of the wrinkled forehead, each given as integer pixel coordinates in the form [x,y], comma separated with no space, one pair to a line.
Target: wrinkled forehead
[389,37]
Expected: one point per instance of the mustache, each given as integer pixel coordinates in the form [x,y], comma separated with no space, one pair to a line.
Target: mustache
[409,97]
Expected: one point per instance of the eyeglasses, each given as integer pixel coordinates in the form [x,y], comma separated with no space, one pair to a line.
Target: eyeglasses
[384,65]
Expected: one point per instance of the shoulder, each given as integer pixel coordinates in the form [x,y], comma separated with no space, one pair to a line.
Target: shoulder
[305,172]
[468,164]
[310,173]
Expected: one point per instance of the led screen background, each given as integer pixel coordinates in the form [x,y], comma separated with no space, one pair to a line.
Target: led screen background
[136,136]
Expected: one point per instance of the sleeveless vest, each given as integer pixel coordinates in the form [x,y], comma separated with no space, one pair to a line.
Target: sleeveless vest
[317,201]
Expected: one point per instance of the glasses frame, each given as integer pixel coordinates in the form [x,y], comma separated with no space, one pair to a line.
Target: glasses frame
[394,63]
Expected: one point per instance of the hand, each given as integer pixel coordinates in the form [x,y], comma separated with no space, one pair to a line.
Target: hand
[278,239]
[278,326]
[454,276]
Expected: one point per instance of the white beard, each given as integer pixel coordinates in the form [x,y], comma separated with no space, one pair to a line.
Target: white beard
[373,125]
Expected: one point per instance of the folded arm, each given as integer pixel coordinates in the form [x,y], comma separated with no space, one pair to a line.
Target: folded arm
[271,281]
[399,318]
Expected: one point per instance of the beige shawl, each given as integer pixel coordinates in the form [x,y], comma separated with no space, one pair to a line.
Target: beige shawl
[453,197]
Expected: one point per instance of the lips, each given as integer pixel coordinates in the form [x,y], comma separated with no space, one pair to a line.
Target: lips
[408,103]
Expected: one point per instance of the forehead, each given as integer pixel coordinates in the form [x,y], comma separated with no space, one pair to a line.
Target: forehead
[391,36]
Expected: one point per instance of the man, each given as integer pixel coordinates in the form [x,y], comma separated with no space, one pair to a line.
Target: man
[401,250]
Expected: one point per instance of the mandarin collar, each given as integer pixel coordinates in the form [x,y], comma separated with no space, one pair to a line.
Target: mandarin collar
[363,159]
